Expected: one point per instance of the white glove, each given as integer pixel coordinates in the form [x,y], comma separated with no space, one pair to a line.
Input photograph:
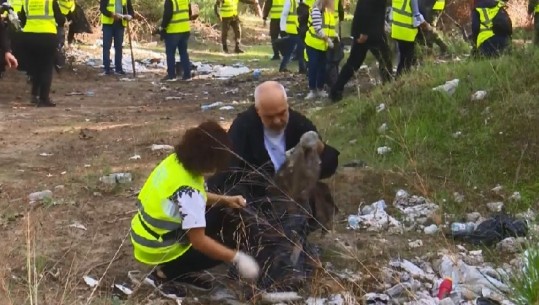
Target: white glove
[246,265]
[330,43]
[128,17]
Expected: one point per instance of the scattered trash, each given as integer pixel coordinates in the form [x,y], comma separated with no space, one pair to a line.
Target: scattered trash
[445,288]
[479,95]
[116,178]
[473,217]
[416,209]
[212,105]
[383,150]
[457,134]
[124,289]
[226,108]
[59,188]
[155,147]
[381,107]
[170,98]
[135,157]
[495,206]
[449,87]
[277,297]
[493,230]
[382,128]
[256,74]
[127,79]
[497,189]
[459,198]
[39,196]
[90,281]
[376,299]
[516,196]
[462,228]
[431,230]
[45,154]
[78,225]
[415,244]
[374,218]
[511,245]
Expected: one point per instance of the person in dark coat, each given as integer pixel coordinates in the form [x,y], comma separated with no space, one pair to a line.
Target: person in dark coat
[261,135]
[368,33]
[491,28]
[533,11]
[7,60]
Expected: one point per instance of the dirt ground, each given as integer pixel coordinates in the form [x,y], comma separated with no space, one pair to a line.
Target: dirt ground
[96,132]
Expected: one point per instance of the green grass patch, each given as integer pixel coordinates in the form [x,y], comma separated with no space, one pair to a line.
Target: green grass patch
[447,140]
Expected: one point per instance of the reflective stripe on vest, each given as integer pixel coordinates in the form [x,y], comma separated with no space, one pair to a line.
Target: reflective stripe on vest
[276,9]
[39,17]
[292,18]
[66,6]
[229,8]
[328,27]
[486,14]
[439,5]
[111,7]
[402,23]
[180,17]
[336,10]
[156,231]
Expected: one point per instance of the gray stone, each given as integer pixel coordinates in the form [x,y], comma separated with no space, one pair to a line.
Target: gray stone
[447,301]
[473,217]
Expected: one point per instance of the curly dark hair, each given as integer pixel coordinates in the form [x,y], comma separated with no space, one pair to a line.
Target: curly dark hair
[205,148]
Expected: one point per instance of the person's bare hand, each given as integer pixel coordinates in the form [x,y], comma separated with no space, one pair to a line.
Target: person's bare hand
[362,38]
[235,202]
[11,61]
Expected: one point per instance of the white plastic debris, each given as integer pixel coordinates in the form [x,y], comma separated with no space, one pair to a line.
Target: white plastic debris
[226,108]
[497,189]
[124,289]
[430,230]
[78,225]
[383,150]
[45,154]
[171,98]
[376,298]
[415,244]
[212,105]
[155,147]
[276,297]
[449,87]
[457,134]
[90,281]
[38,196]
[479,95]
[495,206]
[382,128]
[127,79]
[458,197]
[374,218]
[516,196]
[116,178]
[381,107]
[379,205]
[135,157]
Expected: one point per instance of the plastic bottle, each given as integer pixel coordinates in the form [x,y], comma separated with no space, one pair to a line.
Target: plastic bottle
[353,222]
[116,178]
[459,227]
[445,288]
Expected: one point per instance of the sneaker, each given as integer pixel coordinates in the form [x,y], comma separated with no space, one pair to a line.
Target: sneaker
[311,95]
[169,79]
[199,281]
[34,100]
[121,72]
[322,93]
[45,103]
[166,288]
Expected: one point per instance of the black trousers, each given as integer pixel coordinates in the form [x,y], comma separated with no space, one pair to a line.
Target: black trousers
[40,52]
[275,29]
[406,56]
[380,50]
[233,22]
[536,29]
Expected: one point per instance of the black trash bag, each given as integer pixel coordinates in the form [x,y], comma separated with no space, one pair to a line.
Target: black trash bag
[494,230]
[334,56]
[79,24]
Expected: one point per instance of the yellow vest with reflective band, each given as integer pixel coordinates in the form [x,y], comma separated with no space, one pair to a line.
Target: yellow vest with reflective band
[309,3]
[17,5]
[276,9]
[402,25]
[229,8]
[485,22]
[111,7]
[158,215]
[328,27]
[292,18]
[66,6]
[336,8]
[439,5]
[180,17]
[39,17]
[537,8]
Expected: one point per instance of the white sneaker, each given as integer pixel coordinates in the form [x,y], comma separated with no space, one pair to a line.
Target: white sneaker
[322,93]
[311,95]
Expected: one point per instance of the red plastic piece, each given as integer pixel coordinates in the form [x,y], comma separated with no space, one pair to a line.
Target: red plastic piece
[445,288]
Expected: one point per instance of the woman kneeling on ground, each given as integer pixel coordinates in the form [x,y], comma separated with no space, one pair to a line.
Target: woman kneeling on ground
[169,229]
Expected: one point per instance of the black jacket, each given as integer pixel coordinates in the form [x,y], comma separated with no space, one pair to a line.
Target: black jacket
[127,9]
[247,136]
[369,19]
[4,41]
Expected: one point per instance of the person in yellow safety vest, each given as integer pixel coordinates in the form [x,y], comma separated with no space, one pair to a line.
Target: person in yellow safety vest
[227,12]
[491,28]
[404,31]
[114,16]
[175,212]
[274,8]
[289,25]
[176,28]
[533,11]
[39,41]
[318,39]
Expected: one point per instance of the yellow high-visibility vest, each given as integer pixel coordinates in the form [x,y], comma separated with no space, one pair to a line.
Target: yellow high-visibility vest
[39,16]
[328,27]
[485,22]
[292,18]
[439,5]
[402,25]
[276,9]
[158,215]
[537,8]
[336,10]
[180,17]
[111,7]
[229,8]
[66,6]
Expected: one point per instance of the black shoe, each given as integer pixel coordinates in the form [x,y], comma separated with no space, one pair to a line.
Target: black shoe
[225,49]
[200,281]
[34,100]
[45,103]
[168,289]
[284,70]
[238,50]
[335,96]
[276,57]
[121,72]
